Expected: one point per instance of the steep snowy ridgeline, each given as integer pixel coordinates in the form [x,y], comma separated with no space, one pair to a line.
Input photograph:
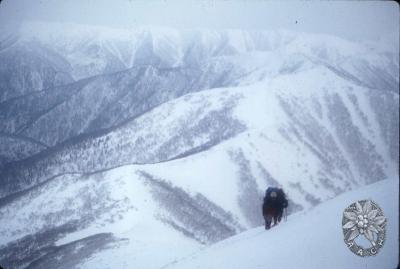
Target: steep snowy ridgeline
[87,106]
[91,49]
[57,114]
[173,136]
[359,64]
[316,137]
[178,128]
[143,220]
[96,50]
[321,162]
[39,102]
[311,239]
[127,218]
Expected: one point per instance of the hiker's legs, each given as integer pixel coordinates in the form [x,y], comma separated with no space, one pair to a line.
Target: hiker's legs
[275,219]
[279,215]
[268,220]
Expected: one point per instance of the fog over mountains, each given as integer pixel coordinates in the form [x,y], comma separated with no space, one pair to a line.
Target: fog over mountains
[157,140]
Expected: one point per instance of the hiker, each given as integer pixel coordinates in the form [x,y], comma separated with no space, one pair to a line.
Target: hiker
[274,203]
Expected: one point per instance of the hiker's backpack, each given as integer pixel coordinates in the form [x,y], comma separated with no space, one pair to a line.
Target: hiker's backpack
[281,197]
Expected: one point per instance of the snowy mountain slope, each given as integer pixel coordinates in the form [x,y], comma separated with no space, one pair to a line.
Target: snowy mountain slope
[29,67]
[14,147]
[58,114]
[123,218]
[174,63]
[255,127]
[362,65]
[318,168]
[93,104]
[53,116]
[97,50]
[311,239]
[37,115]
[19,114]
[71,209]
[178,133]
[128,141]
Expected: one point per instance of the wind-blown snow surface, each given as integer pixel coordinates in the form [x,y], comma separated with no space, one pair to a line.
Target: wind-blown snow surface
[115,143]
[311,239]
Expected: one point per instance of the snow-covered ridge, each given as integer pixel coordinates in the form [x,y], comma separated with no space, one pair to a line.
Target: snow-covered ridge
[95,46]
[53,55]
[295,111]
[114,136]
[317,233]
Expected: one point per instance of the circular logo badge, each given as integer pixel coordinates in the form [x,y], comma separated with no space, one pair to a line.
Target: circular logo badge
[364,221]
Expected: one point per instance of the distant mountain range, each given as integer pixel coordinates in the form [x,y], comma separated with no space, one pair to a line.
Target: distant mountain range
[116,137]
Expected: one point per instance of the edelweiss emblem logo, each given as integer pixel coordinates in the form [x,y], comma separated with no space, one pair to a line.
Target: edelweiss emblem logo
[364,218]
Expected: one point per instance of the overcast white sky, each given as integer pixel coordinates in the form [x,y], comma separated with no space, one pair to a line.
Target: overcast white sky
[349,19]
